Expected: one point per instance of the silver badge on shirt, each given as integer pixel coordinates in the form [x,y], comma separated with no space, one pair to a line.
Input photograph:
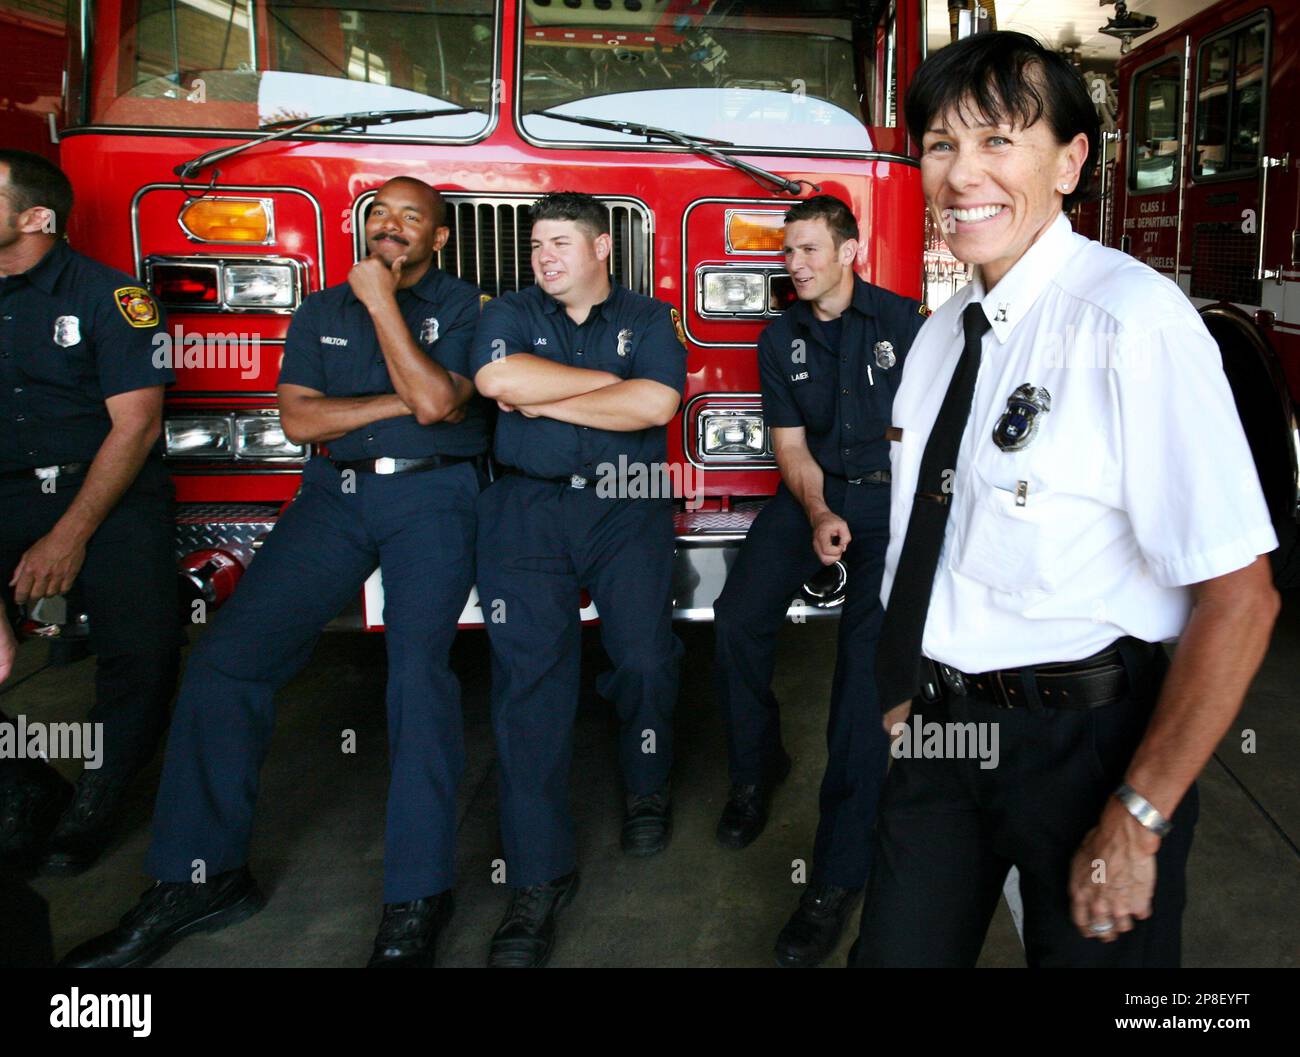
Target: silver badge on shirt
[1019,422]
[885,357]
[67,331]
[624,341]
[429,331]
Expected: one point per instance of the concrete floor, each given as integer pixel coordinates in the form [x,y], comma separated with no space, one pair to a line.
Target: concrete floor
[318,844]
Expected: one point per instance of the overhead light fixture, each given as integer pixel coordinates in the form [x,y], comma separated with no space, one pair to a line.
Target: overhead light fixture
[1125,26]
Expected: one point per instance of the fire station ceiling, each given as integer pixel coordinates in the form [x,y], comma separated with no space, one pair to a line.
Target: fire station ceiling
[1067,24]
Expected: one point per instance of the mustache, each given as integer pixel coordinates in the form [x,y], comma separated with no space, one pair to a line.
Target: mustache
[391,238]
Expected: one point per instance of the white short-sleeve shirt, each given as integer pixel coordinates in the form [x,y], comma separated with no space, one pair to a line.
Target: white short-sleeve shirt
[1136,481]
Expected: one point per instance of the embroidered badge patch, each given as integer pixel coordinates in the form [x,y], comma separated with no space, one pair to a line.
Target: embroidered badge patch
[136,305]
[1019,422]
[677,325]
[67,331]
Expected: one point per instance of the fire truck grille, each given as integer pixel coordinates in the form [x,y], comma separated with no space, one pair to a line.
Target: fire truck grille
[489,243]
[1223,263]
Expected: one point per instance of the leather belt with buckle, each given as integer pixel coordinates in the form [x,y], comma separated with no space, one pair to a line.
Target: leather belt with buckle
[874,477]
[385,466]
[574,480]
[1094,682]
[43,473]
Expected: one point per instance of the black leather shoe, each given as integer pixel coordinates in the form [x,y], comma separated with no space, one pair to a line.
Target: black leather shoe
[745,813]
[526,934]
[647,823]
[30,807]
[814,929]
[166,914]
[409,932]
[87,826]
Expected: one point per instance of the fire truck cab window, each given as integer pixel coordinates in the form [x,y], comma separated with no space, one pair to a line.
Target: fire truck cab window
[1157,92]
[1232,71]
[239,64]
[754,72]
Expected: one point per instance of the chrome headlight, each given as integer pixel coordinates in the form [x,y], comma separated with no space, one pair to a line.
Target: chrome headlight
[731,434]
[260,436]
[198,437]
[259,286]
[735,293]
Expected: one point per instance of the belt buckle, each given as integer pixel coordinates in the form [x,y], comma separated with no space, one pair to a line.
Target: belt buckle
[1001,699]
[855,480]
[385,465]
[952,679]
[577,481]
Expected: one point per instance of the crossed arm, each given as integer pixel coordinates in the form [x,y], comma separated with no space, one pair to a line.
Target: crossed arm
[537,387]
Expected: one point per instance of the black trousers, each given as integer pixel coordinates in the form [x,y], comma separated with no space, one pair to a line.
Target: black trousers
[949,830]
[128,586]
[775,559]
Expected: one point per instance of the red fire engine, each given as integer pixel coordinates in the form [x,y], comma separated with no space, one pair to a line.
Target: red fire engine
[1206,191]
[225,151]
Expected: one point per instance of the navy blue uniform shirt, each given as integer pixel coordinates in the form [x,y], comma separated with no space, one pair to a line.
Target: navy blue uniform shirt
[332,347]
[842,396]
[628,335]
[73,332]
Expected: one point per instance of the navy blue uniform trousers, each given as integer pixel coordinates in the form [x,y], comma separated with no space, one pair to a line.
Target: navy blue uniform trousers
[418,528]
[539,545]
[774,561]
[127,586]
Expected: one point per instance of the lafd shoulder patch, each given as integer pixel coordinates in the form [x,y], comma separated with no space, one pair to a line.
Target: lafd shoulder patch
[136,305]
[677,324]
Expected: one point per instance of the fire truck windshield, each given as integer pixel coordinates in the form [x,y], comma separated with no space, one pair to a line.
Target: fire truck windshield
[246,64]
[766,73]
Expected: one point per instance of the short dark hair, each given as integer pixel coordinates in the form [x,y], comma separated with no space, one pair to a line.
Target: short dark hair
[36,181]
[572,205]
[838,216]
[1007,76]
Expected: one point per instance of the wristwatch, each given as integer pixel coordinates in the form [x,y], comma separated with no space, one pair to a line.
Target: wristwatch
[1141,809]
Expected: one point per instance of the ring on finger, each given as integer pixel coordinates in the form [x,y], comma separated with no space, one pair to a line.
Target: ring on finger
[1100,928]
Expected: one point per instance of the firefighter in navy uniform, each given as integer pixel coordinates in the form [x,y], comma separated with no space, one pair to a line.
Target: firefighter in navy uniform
[377,368]
[829,369]
[587,374]
[86,501]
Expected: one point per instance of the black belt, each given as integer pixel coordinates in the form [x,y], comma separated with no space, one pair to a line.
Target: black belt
[386,466]
[874,477]
[574,480]
[1103,679]
[43,473]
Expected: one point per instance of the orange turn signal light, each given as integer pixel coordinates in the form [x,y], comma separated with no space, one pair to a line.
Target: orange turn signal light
[755,232]
[229,220]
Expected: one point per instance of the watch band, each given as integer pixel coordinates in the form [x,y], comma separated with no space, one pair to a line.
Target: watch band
[1141,809]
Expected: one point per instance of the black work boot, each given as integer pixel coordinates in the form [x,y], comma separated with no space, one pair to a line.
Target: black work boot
[87,825]
[31,802]
[166,914]
[814,929]
[745,814]
[408,933]
[526,934]
[647,822]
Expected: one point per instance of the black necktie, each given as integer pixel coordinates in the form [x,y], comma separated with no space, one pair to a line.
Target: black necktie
[898,653]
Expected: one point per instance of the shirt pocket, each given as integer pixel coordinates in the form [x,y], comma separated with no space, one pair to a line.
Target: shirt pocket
[1009,540]
[615,353]
[816,403]
[44,357]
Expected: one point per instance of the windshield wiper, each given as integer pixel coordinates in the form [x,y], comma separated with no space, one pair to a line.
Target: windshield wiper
[362,119]
[699,144]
